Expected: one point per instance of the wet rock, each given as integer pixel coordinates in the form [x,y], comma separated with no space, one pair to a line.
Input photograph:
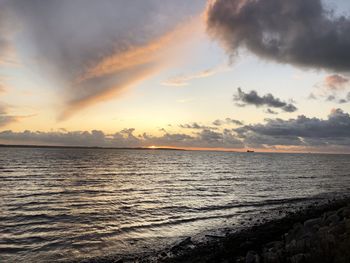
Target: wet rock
[295,233]
[312,224]
[246,245]
[275,245]
[184,243]
[252,257]
[347,225]
[299,258]
[332,219]
[338,229]
[344,212]
[271,257]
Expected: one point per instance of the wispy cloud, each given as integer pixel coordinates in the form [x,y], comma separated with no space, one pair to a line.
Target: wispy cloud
[184,80]
[5,117]
[8,55]
[336,82]
[94,50]
[331,88]
[2,87]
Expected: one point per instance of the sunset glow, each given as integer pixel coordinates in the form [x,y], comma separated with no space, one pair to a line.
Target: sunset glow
[174,131]
[178,81]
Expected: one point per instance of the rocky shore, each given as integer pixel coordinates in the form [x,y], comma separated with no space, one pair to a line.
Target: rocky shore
[320,233]
[321,239]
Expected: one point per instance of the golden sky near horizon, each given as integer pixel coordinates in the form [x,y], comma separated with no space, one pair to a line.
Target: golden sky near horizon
[175,74]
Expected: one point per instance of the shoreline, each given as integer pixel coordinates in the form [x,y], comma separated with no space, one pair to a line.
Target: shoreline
[318,231]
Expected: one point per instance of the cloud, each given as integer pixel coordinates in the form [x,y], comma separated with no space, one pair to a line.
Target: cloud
[123,138]
[312,96]
[227,121]
[336,82]
[345,100]
[298,32]
[5,117]
[330,98]
[302,131]
[194,126]
[269,111]
[94,50]
[2,87]
[7,50]
[183,80]
[253,98]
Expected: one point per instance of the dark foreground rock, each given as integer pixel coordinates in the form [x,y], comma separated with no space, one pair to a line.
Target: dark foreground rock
[318,234]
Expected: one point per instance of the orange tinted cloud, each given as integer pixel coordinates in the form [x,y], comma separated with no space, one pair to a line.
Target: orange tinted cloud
[336,81]
[183,80]
[112,75]
[156,50]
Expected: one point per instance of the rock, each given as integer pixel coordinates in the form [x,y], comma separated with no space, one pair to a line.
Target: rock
[187,241]
[275,244]
[312,224]
[344,212]
[347,225]
[271,257]
[246,245]
[338,229]
[332,219]
[299,258]
[240,260]
[298,246]
[295,233]
[252,257]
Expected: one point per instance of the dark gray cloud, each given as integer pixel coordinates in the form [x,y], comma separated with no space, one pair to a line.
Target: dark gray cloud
[253,98]
[297,32]
[227,121]
[335,98]
[302,131]
[269,111]
[195,126]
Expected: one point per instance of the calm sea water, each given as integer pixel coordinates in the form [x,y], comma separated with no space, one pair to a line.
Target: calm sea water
[63,204]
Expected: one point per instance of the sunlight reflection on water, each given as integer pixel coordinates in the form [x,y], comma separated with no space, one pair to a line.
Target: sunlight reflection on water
[59,204]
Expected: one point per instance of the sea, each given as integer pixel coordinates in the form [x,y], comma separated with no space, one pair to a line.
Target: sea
[64,204]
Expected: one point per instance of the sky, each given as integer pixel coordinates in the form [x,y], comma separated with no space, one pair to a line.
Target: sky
[269,75]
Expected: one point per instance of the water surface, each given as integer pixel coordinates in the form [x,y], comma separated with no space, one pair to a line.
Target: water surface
[63,204]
